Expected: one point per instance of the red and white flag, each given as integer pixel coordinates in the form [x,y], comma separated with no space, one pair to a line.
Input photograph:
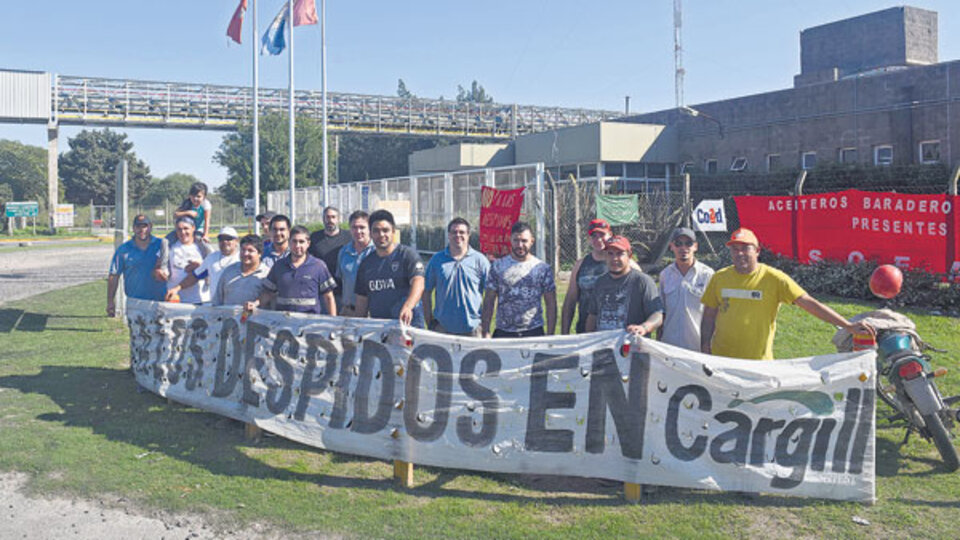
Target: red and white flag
[304,12]
[236,23]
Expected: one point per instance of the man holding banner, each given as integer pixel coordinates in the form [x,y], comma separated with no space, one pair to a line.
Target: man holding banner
[741,303]
[681,288]
[624,297]
[136,260]
[390,280]
[517,284]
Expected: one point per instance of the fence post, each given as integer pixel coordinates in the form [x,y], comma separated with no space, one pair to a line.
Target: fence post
[120,227]
[447,197]
[576,215]
[951,227]
[541,222]
[687,203]
[795,221]
[414,210]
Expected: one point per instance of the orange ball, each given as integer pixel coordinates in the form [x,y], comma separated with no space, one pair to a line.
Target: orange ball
[886,281]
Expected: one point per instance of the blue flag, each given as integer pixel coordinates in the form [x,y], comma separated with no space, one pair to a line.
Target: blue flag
[273,41]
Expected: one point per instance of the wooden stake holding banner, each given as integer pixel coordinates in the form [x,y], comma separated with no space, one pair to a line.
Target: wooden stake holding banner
[403,473]
[252,432]
[632,492]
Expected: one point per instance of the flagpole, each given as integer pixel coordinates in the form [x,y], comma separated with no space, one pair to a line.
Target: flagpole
[256,121]
[323,76]
[293,166]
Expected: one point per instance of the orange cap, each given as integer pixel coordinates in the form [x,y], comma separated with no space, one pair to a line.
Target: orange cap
[743,235]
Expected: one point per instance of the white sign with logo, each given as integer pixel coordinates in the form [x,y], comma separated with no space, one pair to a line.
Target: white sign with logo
[63,215]
[603,405]
[710,216]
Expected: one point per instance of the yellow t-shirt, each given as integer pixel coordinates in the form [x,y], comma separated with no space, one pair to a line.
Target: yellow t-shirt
[748,306]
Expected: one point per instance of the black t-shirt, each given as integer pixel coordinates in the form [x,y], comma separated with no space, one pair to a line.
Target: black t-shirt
[587,276]
[385,281]
[327,248]
[619,302]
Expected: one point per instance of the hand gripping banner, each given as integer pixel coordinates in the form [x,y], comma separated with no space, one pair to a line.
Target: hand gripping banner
[602,405]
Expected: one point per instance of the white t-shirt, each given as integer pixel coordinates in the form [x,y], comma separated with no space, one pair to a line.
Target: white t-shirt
[180,256]
[214,265]
[681,301]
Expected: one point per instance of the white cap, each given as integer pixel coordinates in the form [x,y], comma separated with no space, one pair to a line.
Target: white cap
[228,231]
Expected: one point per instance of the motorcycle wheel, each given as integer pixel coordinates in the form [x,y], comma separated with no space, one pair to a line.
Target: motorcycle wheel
[941,438]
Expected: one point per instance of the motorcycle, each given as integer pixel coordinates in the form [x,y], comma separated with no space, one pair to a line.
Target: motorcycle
[910,389]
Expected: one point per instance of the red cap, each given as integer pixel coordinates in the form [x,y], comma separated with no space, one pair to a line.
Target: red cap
[598,225]
[618,242]
[743,235]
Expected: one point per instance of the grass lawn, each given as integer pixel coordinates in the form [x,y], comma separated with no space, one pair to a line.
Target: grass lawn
[71,417]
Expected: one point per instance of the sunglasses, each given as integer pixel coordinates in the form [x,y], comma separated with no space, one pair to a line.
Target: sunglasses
[683,243]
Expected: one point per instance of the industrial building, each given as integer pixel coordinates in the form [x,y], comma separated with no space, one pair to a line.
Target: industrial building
[871,91]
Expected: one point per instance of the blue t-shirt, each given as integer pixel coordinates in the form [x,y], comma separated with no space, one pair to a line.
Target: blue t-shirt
[348,263]
[137,265]
[299,288]
[459,286]
[385,281]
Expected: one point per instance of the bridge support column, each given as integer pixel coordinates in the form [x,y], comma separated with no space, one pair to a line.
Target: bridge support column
[53,170]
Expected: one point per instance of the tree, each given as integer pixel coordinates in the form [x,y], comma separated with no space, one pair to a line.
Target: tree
[88,169]
[402,90]
[23,171]
[476,94]
[236,150]
[171,189]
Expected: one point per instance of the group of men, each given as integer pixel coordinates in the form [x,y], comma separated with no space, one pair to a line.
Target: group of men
[367,272]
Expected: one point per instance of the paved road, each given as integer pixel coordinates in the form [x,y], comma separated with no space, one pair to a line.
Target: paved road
[26,272]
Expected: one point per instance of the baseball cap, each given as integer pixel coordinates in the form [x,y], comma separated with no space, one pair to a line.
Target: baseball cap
[743,235]
[229,232]
[618,242]
[683,231]
[598,225]
[141,220]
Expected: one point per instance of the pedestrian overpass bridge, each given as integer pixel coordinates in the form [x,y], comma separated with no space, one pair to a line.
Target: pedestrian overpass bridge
[37,97]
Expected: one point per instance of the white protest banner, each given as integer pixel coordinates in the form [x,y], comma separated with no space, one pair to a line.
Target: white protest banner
[710,216]
[583,405]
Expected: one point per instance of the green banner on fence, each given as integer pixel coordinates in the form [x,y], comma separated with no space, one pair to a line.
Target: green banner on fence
[618,209]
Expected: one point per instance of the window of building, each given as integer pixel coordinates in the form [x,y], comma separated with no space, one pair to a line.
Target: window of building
[773,162]
[847,155]
[613,169]
[685,167]
[656,170]
[883,155]
[739,164]
[588,170]
[930,152]
[636,170]
[710,165]
[808,160]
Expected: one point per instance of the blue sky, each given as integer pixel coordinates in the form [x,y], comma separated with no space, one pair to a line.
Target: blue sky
[543,52]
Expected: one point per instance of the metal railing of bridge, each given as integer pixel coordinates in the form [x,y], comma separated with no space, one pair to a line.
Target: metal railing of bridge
[125,102]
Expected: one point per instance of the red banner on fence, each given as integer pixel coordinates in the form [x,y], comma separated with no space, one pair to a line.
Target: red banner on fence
[911,231]
[499,210]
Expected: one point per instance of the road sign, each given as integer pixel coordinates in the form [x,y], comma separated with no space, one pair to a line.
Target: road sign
[249,208]
[22,209]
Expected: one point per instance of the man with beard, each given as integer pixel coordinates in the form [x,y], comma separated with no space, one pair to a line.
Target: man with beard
[136,260]
[326,243]
[279,248]
[242,282]
[298,282]
[624,297]
[518,285]
[458,274]
[681,287]
[741,303]
[351,255]
[390,280]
